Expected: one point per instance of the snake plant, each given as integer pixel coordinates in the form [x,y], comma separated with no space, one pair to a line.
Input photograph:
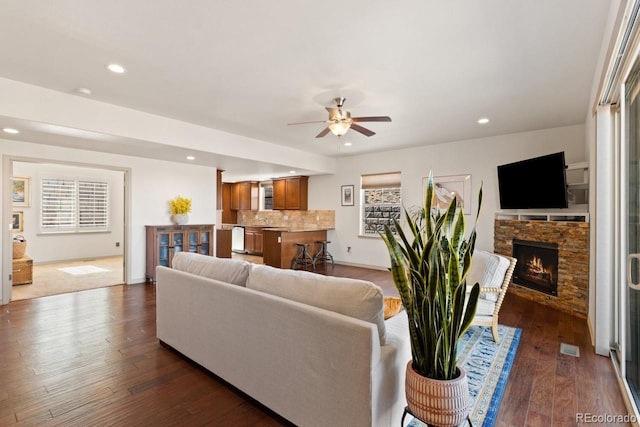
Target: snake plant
[429,265]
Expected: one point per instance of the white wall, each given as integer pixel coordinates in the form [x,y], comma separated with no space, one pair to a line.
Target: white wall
[56,247]
[152,184]
[478,157]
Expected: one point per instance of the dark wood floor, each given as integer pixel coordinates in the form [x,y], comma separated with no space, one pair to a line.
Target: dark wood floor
[91,358]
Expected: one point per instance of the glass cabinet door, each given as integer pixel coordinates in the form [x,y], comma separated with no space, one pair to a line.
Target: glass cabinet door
[178,242]
[205,239]
[164,249]
[194,241]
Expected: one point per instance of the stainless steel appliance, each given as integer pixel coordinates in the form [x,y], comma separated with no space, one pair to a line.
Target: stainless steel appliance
[237,239]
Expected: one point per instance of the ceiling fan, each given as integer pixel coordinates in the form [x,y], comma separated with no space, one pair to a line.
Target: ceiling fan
[340,121]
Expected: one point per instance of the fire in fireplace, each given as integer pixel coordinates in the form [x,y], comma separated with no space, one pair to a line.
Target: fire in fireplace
[537,266]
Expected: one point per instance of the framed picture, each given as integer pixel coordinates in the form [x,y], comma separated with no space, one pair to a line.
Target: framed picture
[448,187]
[347,195]
[17,224]
[21,191]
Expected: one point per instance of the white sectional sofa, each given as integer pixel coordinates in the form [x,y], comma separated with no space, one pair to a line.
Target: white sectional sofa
[312,348]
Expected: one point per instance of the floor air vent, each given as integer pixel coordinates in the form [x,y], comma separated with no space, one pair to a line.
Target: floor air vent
[570,350]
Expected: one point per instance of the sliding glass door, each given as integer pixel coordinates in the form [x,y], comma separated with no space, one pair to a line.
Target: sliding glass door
[630,247]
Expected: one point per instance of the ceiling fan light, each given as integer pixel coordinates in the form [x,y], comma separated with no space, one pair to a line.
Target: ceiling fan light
[339,128]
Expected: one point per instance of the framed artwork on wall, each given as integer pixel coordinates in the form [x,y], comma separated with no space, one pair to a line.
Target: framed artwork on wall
[448,187]
[17,224]
[347,195]
[21,191]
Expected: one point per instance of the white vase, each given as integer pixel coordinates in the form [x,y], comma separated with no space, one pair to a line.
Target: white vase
[181,219]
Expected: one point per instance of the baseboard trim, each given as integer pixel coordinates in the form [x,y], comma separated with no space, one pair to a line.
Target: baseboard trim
[354,264]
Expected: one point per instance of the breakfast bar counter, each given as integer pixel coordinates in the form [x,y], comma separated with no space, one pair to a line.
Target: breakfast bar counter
[280,244]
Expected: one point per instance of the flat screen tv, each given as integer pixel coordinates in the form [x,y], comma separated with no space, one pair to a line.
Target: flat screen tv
[538,183]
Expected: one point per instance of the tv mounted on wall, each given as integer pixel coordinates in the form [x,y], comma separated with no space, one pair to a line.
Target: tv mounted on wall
[538,183]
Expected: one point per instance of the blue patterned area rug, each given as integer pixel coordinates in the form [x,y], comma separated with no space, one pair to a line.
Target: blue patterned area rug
[487,365]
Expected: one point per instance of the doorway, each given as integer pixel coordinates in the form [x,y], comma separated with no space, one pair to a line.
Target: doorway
[73,221]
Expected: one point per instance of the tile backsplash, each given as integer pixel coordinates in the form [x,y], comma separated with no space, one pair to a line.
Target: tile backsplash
[284,218]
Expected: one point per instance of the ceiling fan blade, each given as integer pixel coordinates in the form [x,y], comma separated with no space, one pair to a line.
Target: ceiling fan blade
[372,119]
[323,133]
[362,130]
[304,123]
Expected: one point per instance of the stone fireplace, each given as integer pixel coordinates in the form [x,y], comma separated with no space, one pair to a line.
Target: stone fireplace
[537,266]
[538,273]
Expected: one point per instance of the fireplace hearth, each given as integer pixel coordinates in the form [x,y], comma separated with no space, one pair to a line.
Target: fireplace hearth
[537,266]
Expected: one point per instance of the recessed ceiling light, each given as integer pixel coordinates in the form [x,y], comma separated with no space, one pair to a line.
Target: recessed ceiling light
[10,130]
[483,121]
[190,158]
[292,171]
[347,144]
[84,90]
[116,68]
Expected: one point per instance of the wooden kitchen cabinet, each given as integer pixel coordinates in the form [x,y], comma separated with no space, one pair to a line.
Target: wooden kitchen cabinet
[244,195]
[223,243]
[229,216]
[279,193]
[164,241]
[253,240]
[291,193]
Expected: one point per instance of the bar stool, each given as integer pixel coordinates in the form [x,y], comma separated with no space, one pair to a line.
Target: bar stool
[323,254]
[304,258]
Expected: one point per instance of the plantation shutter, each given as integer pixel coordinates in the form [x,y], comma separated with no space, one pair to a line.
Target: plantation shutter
[58,205]
[93,204]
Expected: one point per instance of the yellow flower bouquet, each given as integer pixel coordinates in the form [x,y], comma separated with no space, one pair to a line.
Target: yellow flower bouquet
[180,205]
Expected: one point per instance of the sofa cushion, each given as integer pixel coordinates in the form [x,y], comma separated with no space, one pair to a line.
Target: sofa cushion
[228,270]
[488,269]
[355,298]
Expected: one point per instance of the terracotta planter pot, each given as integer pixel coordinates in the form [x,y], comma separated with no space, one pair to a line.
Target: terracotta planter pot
[437,402]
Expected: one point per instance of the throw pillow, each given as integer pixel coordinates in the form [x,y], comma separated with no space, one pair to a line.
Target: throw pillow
[392,306]
[227,270]
[355,298]
[488,269]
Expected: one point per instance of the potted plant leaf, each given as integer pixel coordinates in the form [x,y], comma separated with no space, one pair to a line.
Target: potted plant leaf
[429,264]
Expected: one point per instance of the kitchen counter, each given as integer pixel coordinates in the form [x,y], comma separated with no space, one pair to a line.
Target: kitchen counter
[280,244]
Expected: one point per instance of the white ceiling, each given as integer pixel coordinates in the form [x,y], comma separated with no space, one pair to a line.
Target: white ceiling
[250,67]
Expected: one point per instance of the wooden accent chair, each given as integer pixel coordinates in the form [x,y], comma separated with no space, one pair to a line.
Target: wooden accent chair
[494,274]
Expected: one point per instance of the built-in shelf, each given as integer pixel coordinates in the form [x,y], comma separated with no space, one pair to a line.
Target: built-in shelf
[578,165]
[578,185]
[568,216]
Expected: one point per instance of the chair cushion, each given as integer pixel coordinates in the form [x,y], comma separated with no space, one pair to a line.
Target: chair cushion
[488,269]
[235,271]
[485,307]
[355,298]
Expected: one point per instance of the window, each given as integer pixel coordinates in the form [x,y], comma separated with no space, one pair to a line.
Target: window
[74,205]
[93,206]
[381,202]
